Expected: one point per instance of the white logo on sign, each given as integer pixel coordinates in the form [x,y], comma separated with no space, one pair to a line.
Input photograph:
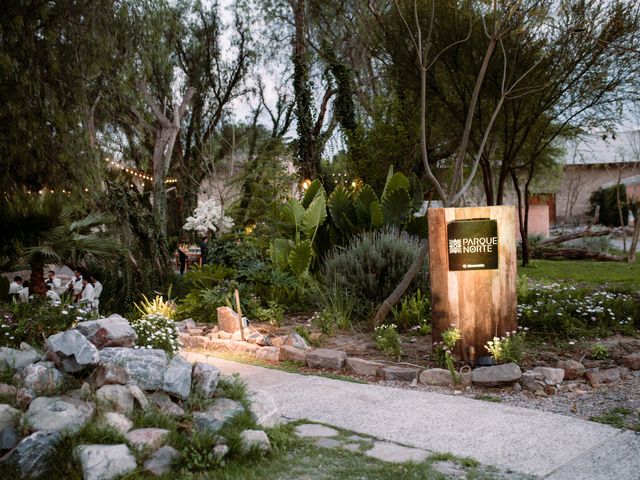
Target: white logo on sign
[455,245]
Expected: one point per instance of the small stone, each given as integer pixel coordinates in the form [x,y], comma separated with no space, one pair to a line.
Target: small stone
[104,462]
[177,378]
[8,390]
[314,430]
[449,469]
[213,419]
[572,369]
[115,397]
[391,452]
[113,331]
[259,339]
[352,447]
[164,404]
[71,351]
[632,362]
[436,376]
[147,438]
[362,367]
[205,379]
[597,377]
[160,462]
[42,378]
[58,413]
[32,456]
[263,409]
[254,439]
[496,375]
[109,374]
[517,387]
[402,374]
[228,320]
[550,389]
[24,396]
[296,340]
[139,396]
[292,354]
[268,354]
[328,443]
[325,358]
[414,383]
[220,451]
[186,324]
[118,421]
[532,381]
[552,376]
[278,341]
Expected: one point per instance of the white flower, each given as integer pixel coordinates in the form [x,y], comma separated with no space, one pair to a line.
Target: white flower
[64,312]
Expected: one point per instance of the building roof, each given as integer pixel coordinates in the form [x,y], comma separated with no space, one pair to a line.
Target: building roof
[603,148]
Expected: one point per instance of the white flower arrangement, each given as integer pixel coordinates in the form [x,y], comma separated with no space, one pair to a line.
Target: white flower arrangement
[209,217]
[156,331]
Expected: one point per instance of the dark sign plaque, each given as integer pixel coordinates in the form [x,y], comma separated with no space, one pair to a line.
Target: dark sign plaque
[473,244]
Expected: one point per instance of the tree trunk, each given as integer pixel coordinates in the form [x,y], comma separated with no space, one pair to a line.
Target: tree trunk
[576,254]
[631,258]
[36,280]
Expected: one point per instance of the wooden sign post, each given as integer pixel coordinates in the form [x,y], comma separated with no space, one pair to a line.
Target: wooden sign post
[473,267]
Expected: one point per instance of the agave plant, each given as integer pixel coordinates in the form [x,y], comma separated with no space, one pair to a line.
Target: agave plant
[42,230]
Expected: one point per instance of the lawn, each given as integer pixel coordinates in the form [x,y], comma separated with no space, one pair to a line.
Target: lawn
[584,271]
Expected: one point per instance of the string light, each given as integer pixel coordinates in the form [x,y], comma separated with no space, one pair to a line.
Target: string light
[136,173]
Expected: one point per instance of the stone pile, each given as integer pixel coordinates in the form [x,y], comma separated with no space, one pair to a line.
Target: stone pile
[117,379]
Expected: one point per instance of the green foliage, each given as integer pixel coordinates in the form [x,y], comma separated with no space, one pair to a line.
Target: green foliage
[619,417]
[599,351]
[607,200]
[566,311]
[274,314]
[338,307]
[413,313]
[371,267]
[156,331]
[507,348]
[444,350]
[388,340]
[33,322]
[158,306]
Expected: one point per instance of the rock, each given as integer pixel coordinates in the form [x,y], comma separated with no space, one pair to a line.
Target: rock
[7,391]
[42,378]
[118,421]
[632,362]
[278,341]
[225,335]
[496,375]
[449,469]
[259,339]
[366,368]
[328,443]
[307,430]
[147,438]
[352,447]
[139,396]
[194,342]
[25,347]
[293,354]
[83,393]
[115,397]
[195,331]
[219,451]
[113,331]
[391,452]
[263,409]
[295,340]
[9,421]
[32,456]
[58,413]
[205,379]
[228,320]
[436,376]
[177,378]
[403,374]
[104,462]
[13,359]
[109,374]
[268,354]
[597,377]
[572,369]
[243,347]
[325,358]
[254,439]
[164,404]
[237,335]
[71,351]
[532,381]
[145,367]
[552,376]
[9,438]
[186,324]
[24,397]
[212,419]
[160,462]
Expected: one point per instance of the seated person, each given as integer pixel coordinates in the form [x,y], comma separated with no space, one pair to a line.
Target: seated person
[52,295]
[16,285]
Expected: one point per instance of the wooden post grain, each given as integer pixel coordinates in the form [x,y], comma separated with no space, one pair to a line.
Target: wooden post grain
[239,310]
[481,303]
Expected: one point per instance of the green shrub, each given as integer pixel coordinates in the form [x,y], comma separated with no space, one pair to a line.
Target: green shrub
[274,314]
[371,267]
[599,351]
[156,331]
[413,313]
[337,308]
[507,348]
[607,200]
[388,340]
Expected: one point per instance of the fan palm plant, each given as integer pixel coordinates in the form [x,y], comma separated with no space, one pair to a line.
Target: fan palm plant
[42,230]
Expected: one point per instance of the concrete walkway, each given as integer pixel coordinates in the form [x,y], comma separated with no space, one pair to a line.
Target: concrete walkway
[526,441]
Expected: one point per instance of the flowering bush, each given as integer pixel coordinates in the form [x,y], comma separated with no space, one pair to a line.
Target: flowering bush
[444,350]
[209,217]
[507,348]
[566,310]
[156,331]
[388,340]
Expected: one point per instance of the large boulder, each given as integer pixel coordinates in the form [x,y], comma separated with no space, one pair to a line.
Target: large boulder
[293,354]
[113,331]
[32,456]
[366,368]
[254,439]
[104,462]
[71,351]
[42,378]
[296,340]
[436,376]
[109,374]
[268,354]
[263,409]
[13,359]
[164,404]
[9,420]
[58,413]
[326,358]
[632,362]
[115,397]
[496,375]
[213,419]
[572,369]
[552,376]
[177,378]
[145,367]
[399,374]
[597,377]
[228,320]
[205,379]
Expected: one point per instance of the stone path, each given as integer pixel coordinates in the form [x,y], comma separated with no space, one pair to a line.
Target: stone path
[526,441]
